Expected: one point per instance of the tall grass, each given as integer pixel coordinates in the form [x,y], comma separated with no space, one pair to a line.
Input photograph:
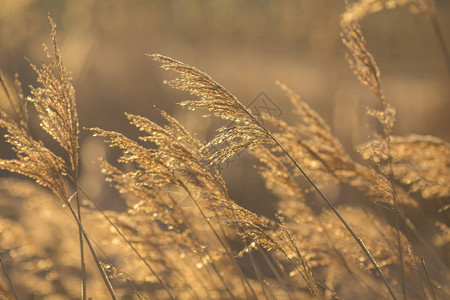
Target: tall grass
[183,237]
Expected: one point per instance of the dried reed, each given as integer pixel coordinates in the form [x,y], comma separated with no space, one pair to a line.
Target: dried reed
[189,239]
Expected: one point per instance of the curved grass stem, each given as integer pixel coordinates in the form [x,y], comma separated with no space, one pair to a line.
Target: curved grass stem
[9,279]
[329,204]
[440,37]
[94,255]
[82,258]
[335,211]
[131,246]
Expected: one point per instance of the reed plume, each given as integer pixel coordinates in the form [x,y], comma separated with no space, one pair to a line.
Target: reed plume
[248,133]
[189,237]
[245,133]
[56,109]
[55,101]
[34,160]
[362,8]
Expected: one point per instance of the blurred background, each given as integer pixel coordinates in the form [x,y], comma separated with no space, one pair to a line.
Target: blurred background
[244,45]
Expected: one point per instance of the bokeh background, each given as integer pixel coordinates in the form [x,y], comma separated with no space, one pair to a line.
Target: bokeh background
[246,46]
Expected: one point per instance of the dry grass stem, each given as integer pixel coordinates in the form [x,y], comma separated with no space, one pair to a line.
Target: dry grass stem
[179,232]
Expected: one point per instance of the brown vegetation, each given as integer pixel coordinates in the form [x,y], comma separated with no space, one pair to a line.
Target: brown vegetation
[182,236]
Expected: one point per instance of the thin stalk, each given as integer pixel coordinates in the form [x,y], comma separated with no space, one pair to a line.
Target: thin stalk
[203,249]
[258,275]
[94,255]
[215,233]
[9,279]
[242,276]
[400,216]
[140,256]
[440,37]
[83,264]
[131,246]
[429,279]
[200,280]
[329,204]
[335,211]
[276,273]
[308,272]
[303,275]
[426,245]
[200,243]
[414,256]
[169,262]
[397,218]
[347,226]
[80,226]
[324,198]
[130,278]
